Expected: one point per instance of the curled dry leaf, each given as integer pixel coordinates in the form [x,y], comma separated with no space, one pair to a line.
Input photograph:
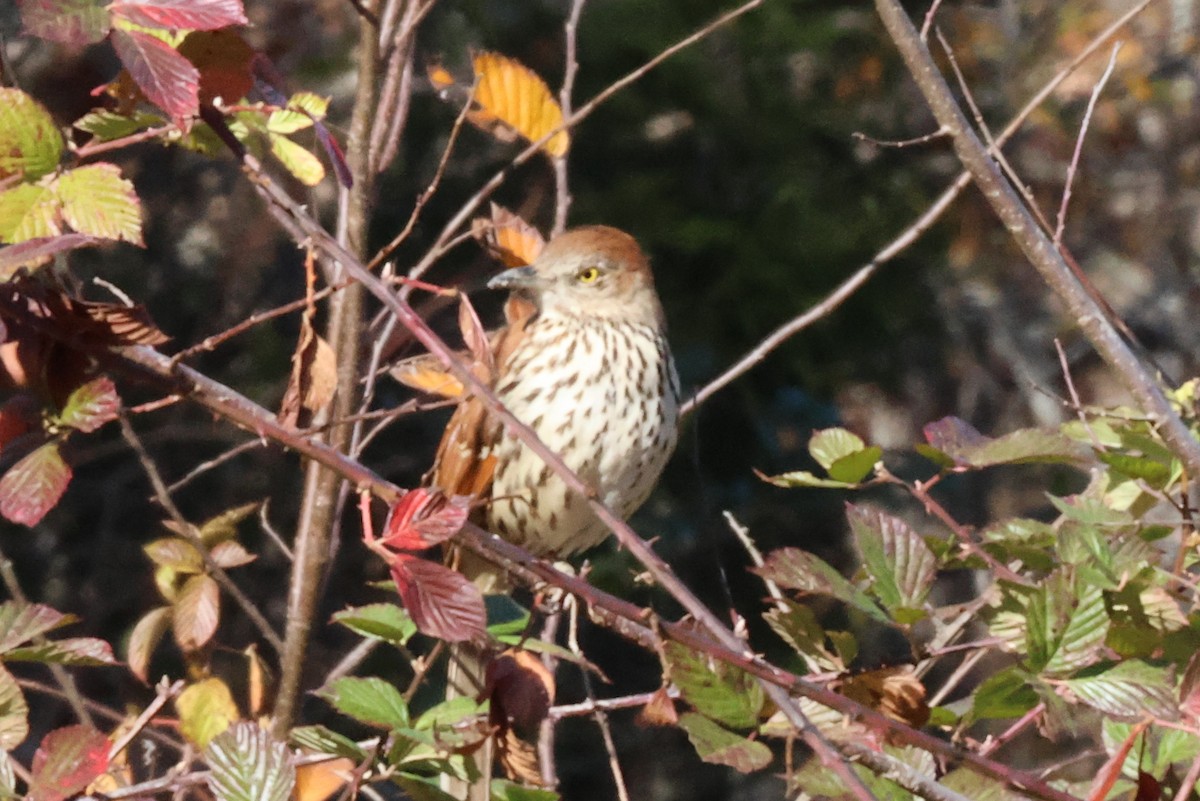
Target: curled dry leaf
[659,711]
[508,237]
[894,691]
[521,689]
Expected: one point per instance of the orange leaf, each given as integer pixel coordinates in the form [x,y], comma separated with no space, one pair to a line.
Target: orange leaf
[427,374]
[513,95]
[319,780]
[509,238]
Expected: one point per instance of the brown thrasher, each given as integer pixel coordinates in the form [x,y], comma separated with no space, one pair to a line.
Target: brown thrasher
[583,360]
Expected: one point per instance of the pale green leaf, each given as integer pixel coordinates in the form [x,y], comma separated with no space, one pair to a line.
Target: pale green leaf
[302,164]
[206,709]
[249,765]
[901,566]
[720,746]
[717,690]
[1130,688]
[29,211]
[14,712]
[30,143]
[97,201]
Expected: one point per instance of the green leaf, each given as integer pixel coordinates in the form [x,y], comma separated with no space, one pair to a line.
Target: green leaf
[303,165]
[387,622]
[20,622]
[901,567]
[326,741]
[968,448]
[1131,688]
[504,790]
[206,709]
[715,689]
[249,765]
[106,125]
[30,144]
[73,22]
[97,201]
[14,712]
[843,454]
[799,628]
[66,762]
[1083,636]
[29,211]
[969,784]
[424,788]
[224,527]
[1007,694]
[91,405]
[803,478]
[720,746]
[796,569]
[1154,473]
[368,700]
[73,651]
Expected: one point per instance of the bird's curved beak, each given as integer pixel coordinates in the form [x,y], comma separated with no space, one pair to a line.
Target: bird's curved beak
[516,278]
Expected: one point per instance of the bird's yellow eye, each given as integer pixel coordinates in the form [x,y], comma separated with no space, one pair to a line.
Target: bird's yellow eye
[588,275]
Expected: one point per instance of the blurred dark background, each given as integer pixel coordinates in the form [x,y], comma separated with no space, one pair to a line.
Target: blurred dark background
[736,165]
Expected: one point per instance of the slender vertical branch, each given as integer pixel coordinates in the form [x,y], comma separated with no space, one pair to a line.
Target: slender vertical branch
[1034,243]
[562,190]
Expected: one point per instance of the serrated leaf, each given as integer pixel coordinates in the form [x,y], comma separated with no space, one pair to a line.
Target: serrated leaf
[97,201]
[73,651]
[224,526]
[91,405]
[14,712]
[176,553]
[386,622]
[901,566]
[798,627]
[302,109]
[107,125]
[75,22]
[796,569]
[1129,688]
[803,478]
[967,447]
[303,165]
[368,700]
[29,211]
[511,97]
[1007,694]
[34,485]
[720,746]
[30,144]
[443,603]
[230,554]
[168,80]
[20,622]
[206,709]
[67,761]
[249,765]
[1086,629]
[831,444]
[194,15]
[145,638]
[504,790]
[719,691]
[1155,473]
[321,740]
[197,611]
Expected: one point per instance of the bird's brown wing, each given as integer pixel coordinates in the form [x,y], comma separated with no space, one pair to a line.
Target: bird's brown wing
[465,462]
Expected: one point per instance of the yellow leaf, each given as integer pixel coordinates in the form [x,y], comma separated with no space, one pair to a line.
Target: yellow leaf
[510,93]
[205,710]
[299,162]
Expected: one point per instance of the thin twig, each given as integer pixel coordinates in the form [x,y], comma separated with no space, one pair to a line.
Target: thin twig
[1083,127]
[929,15]
[163,496]
[743,535]
[562,189]
[599,715]
[215,462]
[164,692]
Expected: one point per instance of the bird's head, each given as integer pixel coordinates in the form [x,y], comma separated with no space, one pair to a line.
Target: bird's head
[594,272]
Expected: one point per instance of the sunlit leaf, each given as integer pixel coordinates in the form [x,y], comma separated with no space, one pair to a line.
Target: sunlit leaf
[224,526]
[969,448]
[317,781]
[326,741]
[423,518]
[1086,629]
[91,405]
[206,709]
[197,612]
[29,211]
[302,109]
[443,603]
[843,454]
[74,22]
[303,165]
[196,15]
[901,566]
[249,765]
[145,638]
[719,691]
[386,622]
[796,569]
[107,125]
[720,746]
[1130,688]
[510,94]
[798,627]
[175,553]
[230,554]
[20,622]
[368,700]
[508,237]
[67,760]
[804,478]
[168,79]
[30,144]
[33,486]
[75,651]
[14,712]
[97,201]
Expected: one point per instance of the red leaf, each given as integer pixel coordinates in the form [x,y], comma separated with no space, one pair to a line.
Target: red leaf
[66,762]
[33,485]
[223,58]
[76,22]
[92,405]
[443,604]
[168,79]
[423,518]
[195,15]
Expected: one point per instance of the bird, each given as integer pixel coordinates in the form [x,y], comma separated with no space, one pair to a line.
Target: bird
[583,360]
